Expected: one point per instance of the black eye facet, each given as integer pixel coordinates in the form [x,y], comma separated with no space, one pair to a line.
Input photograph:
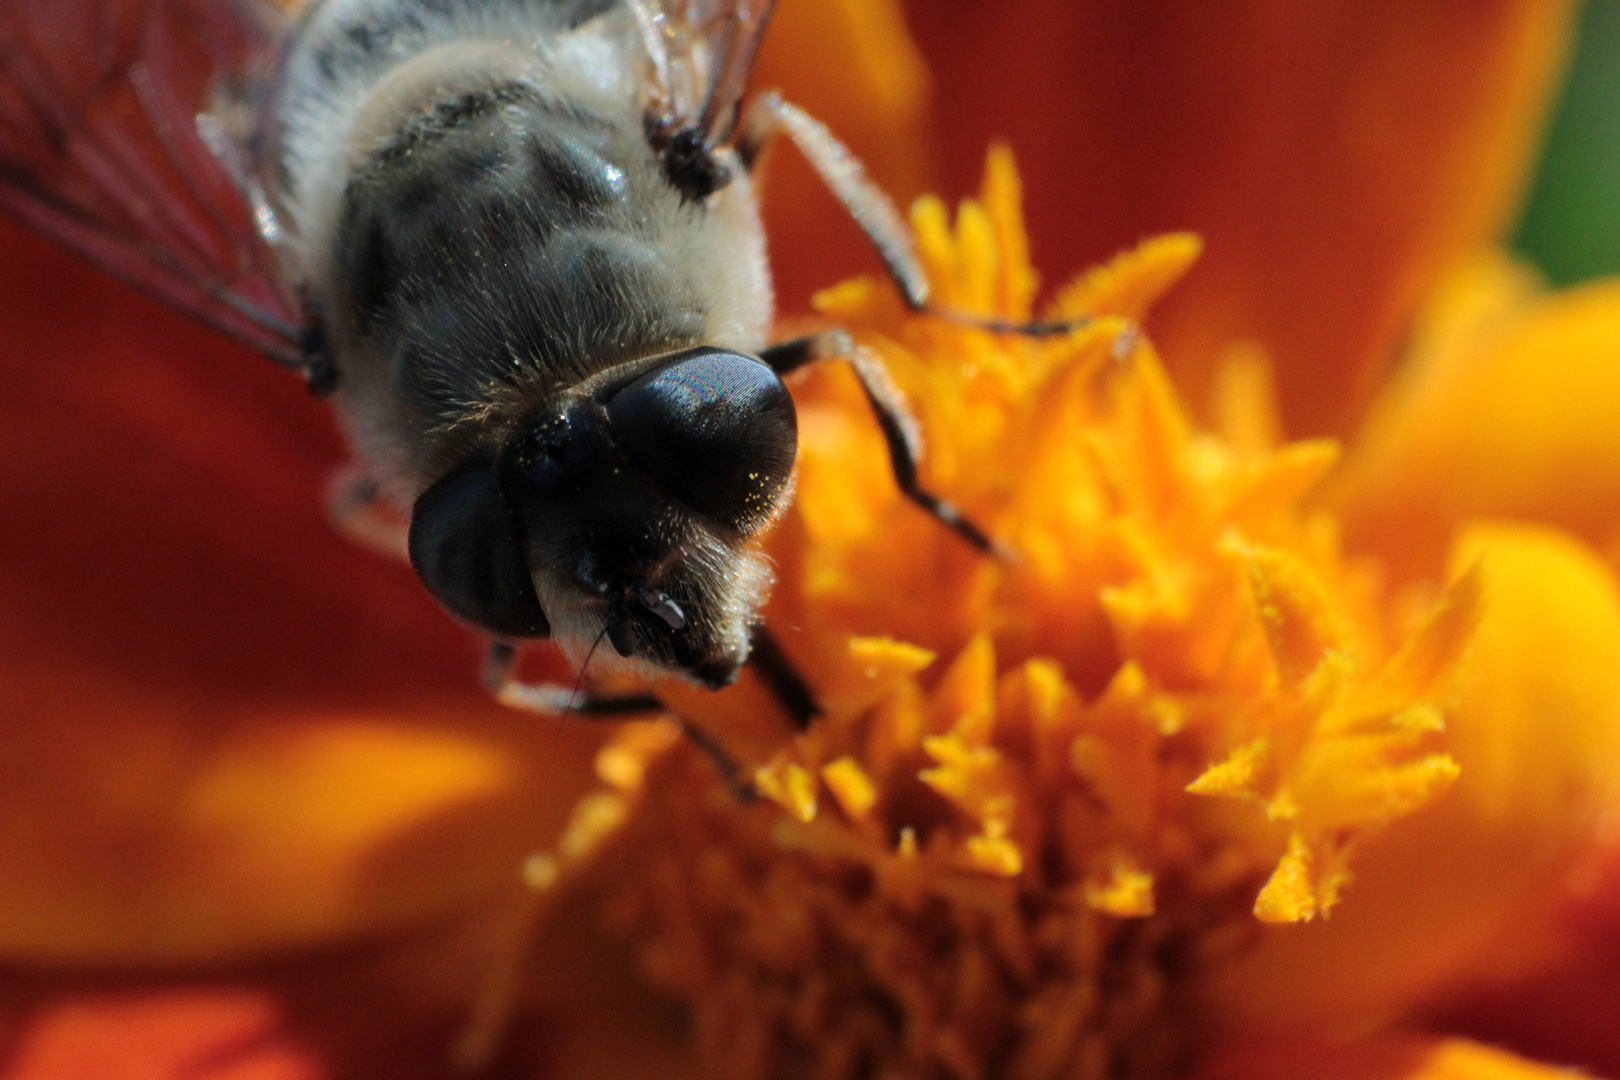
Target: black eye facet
[467,547]
[716,430]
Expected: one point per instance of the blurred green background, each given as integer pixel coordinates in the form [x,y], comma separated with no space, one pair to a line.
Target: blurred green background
[1571,224]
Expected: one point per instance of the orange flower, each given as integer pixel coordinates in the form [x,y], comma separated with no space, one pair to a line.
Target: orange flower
[1225,766]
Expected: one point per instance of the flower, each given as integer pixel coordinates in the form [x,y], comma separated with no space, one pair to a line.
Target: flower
[1054,799]
[1190,782]
[1174,710]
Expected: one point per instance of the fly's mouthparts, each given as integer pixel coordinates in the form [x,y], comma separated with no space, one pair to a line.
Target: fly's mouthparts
[661,606]
[618,630]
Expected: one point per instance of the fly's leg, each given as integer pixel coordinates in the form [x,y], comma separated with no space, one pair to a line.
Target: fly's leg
[868,204]
[899,428]
[846,177]
[772,666]
[320,369]
[554,699]
[782,678]
[358,510]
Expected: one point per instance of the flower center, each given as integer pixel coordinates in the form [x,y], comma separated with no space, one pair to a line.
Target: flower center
[1047,794]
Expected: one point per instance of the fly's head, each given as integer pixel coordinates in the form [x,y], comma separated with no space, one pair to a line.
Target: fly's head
[623,513]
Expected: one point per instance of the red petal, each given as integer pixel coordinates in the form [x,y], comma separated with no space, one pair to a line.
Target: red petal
[162,489]
[1335,156]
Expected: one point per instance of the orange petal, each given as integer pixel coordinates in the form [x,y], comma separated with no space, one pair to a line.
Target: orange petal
[1334,157]
[1535,728]
[1387,1057]
[393,1007]
[140,840]
[183,1035]
[1510,408]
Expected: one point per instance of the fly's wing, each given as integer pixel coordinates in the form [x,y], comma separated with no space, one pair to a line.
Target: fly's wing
[701,52]
[110,145]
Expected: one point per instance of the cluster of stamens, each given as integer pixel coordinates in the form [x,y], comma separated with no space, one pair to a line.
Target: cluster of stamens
[1048,794]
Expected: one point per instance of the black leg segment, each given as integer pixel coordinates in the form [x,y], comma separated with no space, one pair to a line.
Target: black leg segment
[899,429]
[870,207]
[554,699]
[782,678]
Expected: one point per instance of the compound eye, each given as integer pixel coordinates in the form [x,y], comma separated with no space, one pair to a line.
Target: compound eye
[467,548]
[716,430]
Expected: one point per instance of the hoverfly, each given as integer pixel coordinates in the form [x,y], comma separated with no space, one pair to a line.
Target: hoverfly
[517,244]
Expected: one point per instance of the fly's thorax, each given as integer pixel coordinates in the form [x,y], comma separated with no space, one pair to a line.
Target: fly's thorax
[350,63]
[503,230]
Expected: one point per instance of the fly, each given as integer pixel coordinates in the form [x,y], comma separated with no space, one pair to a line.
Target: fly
[517,244]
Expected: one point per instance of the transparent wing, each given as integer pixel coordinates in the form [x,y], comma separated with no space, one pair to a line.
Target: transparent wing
[110,144]
[701,52]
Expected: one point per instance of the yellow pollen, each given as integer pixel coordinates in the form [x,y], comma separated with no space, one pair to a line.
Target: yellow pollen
[1290,895]
[790,785]
[849,784]
[1127,892]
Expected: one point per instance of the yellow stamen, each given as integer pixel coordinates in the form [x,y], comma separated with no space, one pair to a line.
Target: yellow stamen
[1175,711]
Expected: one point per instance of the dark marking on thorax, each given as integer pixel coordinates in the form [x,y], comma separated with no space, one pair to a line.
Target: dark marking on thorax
[378,36]
[494,239]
